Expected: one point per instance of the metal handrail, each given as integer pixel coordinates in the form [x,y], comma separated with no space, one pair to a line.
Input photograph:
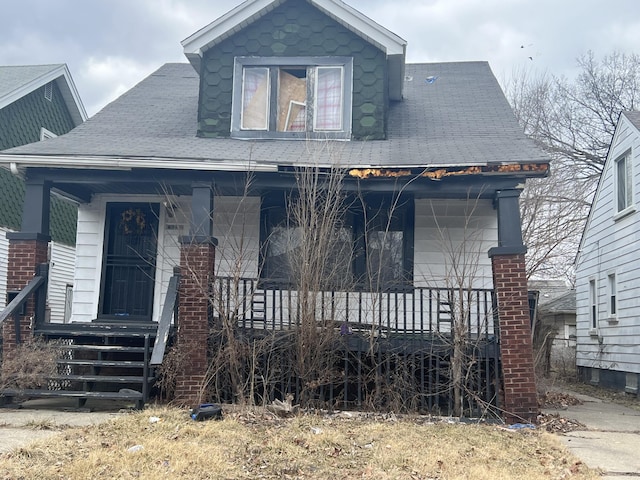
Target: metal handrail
[164,325]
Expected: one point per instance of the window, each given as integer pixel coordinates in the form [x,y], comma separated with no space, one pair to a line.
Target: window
[593,304]
[371,247]
[612,295]
[623,182]
[290,97]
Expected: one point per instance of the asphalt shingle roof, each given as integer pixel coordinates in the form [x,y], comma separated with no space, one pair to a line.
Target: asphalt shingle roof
[634,118]
[565,303]
[461,118]
[14,77]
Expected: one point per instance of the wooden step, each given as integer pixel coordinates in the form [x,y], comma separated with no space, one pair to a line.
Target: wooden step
[100,378]
[102,348]
[128,395]
[101,363]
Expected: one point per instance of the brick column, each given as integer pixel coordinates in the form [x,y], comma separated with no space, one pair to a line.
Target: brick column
[518,376]
[196,265]
[26,252]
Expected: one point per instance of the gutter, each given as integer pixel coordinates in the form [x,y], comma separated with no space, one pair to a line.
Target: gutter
[123,163]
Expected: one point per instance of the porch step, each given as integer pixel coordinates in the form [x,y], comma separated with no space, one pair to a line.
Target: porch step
[124,395]
[101,363]
[102,348]
[99,378]
[97,361]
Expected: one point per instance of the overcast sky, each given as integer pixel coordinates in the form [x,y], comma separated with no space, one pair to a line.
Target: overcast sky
[110,45]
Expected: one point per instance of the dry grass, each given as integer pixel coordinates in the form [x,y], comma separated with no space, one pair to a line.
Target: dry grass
[256,445]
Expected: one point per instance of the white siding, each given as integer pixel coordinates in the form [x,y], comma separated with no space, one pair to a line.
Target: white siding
[86,281]
[61,273]
[452,238]
[447,234]
[236,225]
[611,245]
[4,255]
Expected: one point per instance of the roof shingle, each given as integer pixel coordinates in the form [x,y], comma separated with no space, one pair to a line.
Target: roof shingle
[461,118]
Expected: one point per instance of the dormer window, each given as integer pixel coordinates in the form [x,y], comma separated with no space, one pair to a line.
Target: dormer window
[282,97]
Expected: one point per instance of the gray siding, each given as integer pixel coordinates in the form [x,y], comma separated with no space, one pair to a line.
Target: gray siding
[611,246]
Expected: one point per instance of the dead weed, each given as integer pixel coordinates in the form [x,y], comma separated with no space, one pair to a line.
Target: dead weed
[257,444]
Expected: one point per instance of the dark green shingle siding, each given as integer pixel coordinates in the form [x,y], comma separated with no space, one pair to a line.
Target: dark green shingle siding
[63,216]
[295,29]
[20,123]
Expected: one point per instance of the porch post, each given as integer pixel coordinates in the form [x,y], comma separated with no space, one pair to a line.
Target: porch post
[197,257]
[27,249]
[510,284]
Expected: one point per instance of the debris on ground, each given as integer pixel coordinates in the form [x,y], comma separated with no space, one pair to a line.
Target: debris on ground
[559,400]
[554,423]
[283,408]
[207,411]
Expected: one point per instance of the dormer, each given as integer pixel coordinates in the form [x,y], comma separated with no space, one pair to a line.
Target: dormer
[296,69]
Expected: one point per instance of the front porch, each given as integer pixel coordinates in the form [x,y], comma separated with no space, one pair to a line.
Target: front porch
[413,335]
[395,351]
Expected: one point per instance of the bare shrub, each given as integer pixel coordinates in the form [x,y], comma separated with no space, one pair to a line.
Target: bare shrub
[170,370]
[29,365]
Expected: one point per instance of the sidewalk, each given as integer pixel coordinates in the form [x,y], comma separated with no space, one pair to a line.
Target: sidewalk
[40,419]
[611,441]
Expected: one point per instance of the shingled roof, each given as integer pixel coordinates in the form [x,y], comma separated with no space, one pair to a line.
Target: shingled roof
[16,81]
[453,114]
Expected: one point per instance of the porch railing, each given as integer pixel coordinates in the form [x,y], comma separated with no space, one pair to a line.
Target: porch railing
[37,286]
[389,350]
[169,311]
[421,310]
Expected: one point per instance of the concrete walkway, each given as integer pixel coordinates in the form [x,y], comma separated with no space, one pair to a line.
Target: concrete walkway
[38,419]
[611,441]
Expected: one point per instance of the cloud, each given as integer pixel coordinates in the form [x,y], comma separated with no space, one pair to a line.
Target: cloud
[110,77]
[110,45]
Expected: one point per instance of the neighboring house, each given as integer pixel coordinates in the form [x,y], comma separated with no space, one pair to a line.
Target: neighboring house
[557,319]
[608,271]
[193,168]
[38,102]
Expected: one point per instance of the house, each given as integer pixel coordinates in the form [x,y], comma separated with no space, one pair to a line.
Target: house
[309,105]
[38,102]
[555,331]
[607,352]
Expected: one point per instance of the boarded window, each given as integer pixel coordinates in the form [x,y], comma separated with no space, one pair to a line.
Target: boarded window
[255,99]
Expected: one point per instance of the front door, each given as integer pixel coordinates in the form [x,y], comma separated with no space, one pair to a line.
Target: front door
[129,261]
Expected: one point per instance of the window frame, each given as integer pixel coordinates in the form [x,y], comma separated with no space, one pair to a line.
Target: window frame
[274,65]
[622,208]
[46,134]
[355,219]
[593,306]
[612,300]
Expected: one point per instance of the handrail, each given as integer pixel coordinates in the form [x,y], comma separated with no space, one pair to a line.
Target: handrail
[168,309]
[24,294]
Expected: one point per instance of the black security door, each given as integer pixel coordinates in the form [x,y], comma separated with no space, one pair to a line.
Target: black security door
[129,266]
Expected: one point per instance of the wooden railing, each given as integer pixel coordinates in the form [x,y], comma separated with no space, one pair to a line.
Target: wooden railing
[37,286]
[169,311]
[421,310]
[402,341]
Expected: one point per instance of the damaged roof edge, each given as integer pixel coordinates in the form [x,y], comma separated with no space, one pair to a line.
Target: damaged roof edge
[528,170]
